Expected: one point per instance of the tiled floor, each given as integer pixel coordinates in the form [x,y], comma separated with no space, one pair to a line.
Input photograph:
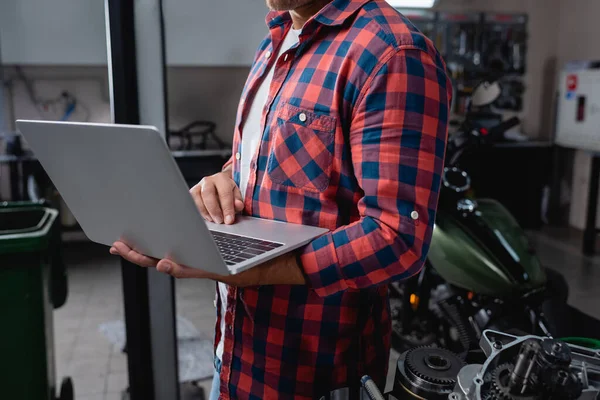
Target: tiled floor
[99,370]
[95,296]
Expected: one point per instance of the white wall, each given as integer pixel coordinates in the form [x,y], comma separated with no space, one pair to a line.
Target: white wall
[199,93]
[579,30]
[208,93]
[578,40]
[62,32]
[72,32]
[213,32]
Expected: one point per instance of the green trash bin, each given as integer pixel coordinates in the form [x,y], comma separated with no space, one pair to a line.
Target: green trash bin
[32,283]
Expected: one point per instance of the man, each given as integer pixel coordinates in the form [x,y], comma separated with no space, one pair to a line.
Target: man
[342,124]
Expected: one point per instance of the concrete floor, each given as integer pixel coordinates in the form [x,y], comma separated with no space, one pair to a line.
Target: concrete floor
[95,296]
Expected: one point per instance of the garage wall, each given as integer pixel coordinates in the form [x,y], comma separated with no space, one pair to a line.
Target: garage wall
[542,55]
[195,93]
[579,30]
[198,93]
[578,40]
[72,32]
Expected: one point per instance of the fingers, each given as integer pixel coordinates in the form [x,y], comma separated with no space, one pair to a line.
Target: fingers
[196,193]
[165,266]
[210,197]
[219,197]
[181,271]
[225,189]
[120,248]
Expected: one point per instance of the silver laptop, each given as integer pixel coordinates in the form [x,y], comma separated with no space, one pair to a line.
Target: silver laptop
[121,183]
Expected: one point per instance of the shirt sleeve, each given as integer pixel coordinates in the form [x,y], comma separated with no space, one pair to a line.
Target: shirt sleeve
[397,140]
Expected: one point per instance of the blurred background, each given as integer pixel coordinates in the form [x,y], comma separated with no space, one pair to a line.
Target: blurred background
[530,64]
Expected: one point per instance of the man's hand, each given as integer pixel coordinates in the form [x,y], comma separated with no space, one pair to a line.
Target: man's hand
[283,270]
[218,198]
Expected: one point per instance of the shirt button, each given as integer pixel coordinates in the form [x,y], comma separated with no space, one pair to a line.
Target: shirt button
[215,303]
[268,54]
[285,58]
[229,327]
[414,215]
[237,156]
[302,117]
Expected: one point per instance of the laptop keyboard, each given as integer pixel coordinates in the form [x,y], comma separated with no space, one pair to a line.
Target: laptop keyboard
[236,249]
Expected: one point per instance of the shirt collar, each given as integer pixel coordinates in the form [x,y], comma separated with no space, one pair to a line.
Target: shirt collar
[334,13]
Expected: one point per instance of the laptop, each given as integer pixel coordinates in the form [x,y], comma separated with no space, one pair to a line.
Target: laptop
[122,183]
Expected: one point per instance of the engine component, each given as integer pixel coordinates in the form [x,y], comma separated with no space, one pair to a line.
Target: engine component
[466,335]
[554,354]
[501,382]
[522,377]
[427,372]
[563,385]
[529,368]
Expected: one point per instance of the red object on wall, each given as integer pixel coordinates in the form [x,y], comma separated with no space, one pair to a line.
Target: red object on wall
[572,83]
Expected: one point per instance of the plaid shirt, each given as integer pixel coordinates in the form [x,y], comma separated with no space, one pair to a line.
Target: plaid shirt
[354,135]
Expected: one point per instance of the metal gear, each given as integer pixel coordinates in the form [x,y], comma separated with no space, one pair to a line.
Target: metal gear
[500,389]
[488,396]
[434,365]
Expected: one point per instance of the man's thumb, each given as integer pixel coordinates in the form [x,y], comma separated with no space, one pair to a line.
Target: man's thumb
[238,203]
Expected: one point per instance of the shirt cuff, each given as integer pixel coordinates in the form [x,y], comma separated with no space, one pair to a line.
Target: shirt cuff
[321,266]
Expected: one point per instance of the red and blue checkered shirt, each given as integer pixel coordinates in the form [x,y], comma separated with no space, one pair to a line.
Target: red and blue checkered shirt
[354,135]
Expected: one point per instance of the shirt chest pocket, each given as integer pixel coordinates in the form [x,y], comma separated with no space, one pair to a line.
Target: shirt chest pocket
[302,149]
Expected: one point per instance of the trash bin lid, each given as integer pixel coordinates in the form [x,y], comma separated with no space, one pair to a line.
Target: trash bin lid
[25,229]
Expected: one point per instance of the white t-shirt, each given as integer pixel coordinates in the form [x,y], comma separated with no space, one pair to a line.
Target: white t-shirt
[251,137]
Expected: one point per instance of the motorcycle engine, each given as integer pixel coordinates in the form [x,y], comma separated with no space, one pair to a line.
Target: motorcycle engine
[516,367]
[427,372]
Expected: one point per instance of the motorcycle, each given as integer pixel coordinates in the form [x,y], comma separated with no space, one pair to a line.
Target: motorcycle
[481,272]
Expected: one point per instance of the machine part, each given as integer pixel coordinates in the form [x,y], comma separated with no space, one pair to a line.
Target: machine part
[433,365]
[371,388]
[554,353]
[411,334]
[525,367]
[483,317]
[466,205]
[465,335]
[562,385]
[462,247]
[486,93]
[456,179]
[466,379]
[427,372]
[530,367]
[501,384]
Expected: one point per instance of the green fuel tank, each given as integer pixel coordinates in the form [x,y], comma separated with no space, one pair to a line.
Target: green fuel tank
[482,248]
